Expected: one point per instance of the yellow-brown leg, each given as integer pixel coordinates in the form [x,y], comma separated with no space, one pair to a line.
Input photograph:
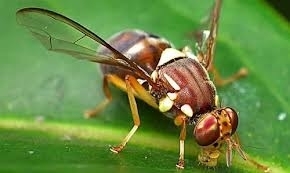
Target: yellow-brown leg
[181,121]
[138,91]
[129,80]
[220,81]
[133,88]
[237,146]
[141,92]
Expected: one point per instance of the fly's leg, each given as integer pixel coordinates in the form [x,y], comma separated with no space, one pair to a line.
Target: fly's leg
[133,88]
[181,121]
[220,81]
[131,85]
[109,78]
[217,78]
[206,47]
[237,145]
[139,91]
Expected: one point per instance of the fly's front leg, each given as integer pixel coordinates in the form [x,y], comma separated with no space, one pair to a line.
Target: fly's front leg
[220,81]
[130,81]
[180,120]
[108,78]
[237,146]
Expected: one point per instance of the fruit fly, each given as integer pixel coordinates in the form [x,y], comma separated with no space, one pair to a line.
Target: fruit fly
[174,81]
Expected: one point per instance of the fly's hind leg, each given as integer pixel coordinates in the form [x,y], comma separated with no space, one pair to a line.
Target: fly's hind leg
[108,78]
[133,88]
[221,81]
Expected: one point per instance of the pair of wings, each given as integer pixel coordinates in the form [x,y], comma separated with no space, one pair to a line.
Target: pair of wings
[61,34]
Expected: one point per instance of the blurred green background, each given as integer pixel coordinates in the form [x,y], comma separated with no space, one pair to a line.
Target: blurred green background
[43,94]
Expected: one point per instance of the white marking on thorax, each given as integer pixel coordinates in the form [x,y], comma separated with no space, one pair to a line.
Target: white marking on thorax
[172,82]
[186,109]
[165,104]
[169,54]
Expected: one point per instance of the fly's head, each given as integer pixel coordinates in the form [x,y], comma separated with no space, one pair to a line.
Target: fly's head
[214,129]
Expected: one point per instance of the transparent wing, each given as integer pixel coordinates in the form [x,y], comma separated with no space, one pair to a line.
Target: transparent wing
[206,38]
[61,34]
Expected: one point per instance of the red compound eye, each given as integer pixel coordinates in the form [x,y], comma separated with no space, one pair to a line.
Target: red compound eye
[206,130]
[233,118]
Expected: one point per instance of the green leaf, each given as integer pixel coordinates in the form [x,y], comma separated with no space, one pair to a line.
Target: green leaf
[37,84]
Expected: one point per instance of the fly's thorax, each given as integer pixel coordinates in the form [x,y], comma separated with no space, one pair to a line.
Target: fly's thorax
[142,48]
[184,85]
